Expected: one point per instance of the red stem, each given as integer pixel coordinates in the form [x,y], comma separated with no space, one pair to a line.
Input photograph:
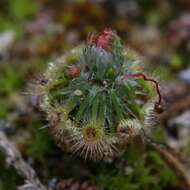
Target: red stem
[141,75]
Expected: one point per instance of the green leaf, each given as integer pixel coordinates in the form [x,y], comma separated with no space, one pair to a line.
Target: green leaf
[109,115]
[95,107]
[102,109]
[85,104]
[117,106]
[72,103]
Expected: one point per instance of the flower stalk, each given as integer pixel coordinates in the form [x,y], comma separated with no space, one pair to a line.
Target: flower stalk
[158,106]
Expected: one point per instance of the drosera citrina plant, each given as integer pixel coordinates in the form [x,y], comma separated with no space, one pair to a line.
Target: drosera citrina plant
[98,98]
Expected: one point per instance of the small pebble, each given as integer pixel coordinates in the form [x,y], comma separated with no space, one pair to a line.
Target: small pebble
[185,75]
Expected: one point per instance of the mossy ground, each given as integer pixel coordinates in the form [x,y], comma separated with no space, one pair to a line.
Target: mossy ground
[134,170]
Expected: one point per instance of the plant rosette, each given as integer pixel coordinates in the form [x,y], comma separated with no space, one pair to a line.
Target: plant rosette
[97,97]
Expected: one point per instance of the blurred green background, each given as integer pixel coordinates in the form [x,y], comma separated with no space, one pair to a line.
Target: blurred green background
[33,32]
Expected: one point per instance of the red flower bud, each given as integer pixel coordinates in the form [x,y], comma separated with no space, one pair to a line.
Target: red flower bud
[73,71]
[104,39]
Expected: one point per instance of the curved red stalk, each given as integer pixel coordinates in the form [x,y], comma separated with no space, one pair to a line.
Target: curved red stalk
[141,75]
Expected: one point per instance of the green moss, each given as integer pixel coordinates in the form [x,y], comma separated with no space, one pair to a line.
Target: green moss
[10,80]
[9,179]
[22,9]
[17,12]
[41,144]
[4,108]
[142,174]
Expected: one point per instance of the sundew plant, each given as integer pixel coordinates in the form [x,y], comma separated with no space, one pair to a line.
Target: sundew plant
[98,97]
